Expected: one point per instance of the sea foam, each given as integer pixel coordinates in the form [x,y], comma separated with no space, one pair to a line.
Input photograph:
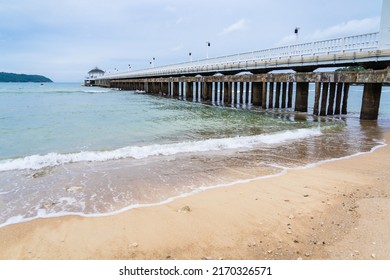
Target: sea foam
[139,152]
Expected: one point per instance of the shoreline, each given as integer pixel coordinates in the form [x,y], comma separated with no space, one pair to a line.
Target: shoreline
[284,170]
[329,211]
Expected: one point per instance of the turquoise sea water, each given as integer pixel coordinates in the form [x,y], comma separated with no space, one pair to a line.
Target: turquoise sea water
[69,149]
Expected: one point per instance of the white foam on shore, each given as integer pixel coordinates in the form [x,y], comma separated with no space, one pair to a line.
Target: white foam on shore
[138,152]
[283,170]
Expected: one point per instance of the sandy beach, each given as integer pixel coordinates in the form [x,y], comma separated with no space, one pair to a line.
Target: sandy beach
[336,210]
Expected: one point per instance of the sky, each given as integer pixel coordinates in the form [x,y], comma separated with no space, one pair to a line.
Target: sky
[64,39]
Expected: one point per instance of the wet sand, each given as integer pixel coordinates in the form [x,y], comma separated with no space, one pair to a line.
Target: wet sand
[337,210]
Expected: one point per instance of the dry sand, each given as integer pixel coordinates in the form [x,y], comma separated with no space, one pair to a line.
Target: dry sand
[337,210]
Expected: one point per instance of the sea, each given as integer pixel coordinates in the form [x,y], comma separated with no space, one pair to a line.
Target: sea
[66,149]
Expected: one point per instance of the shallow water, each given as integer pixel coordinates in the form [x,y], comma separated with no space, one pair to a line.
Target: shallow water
[67,149]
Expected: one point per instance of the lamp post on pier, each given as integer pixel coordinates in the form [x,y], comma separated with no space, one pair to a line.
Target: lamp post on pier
[207,49]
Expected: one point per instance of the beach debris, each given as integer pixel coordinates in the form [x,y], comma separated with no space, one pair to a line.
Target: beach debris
[185,209]
[168,257]
[289,231]
[208,258]
[73,189]
[305,195]
[269,251]
[373,256]
[291,216]
[133,245]
[40,173]
[252,244]
[47,205]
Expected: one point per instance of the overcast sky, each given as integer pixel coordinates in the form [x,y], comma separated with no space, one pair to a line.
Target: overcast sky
[64,39]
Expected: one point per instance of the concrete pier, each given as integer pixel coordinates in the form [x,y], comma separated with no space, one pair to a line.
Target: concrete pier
[370,102]
[269,91]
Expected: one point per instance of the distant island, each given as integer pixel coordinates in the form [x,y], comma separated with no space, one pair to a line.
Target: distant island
[22,78]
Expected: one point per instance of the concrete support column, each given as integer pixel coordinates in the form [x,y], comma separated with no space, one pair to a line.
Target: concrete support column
[257,91]
[370,101]
[339,91]
[207,91]
[199,91]
[332,93]
[324,98]
[195,96]
[284,94]
[234,93]
[150,87]
[264,95]
[175,90]
[345,99]
[290,94]
[189,90]
[217,93]
[227,90]
[301,98]
[164,88]
[245,93]
[277,95]
[317,98]
[271,96]
[238,93]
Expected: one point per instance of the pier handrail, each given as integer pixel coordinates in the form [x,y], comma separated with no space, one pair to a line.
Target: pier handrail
[357,43]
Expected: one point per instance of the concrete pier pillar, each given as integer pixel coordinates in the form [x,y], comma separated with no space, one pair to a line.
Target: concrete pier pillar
[345,99]
[290,94]
[284,94]
[332,93]
[277,95]
[370,101]
[151,87]
[175,90]
[317,98]
[245,93]
[257,89]
[264,95]
[165,88]
[234,93]
[239,93]
[302,96]
[217,93]
[324,98]
[189,90]
[339,92]
[207,91]
[227,92]
[271,96]
[196,86]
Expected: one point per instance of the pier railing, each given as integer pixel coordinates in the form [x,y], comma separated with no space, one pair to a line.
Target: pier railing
[358,43]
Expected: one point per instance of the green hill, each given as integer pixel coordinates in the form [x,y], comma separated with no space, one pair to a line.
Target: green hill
[22,78]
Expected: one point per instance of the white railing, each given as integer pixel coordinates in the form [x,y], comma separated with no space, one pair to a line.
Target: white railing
[358,43]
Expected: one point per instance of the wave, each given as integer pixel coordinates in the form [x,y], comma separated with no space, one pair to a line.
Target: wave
[96,91]
[138,152]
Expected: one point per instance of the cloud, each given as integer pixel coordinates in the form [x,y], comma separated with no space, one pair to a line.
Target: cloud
[349,28]
[352,27]
[177,48]
[237,26]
